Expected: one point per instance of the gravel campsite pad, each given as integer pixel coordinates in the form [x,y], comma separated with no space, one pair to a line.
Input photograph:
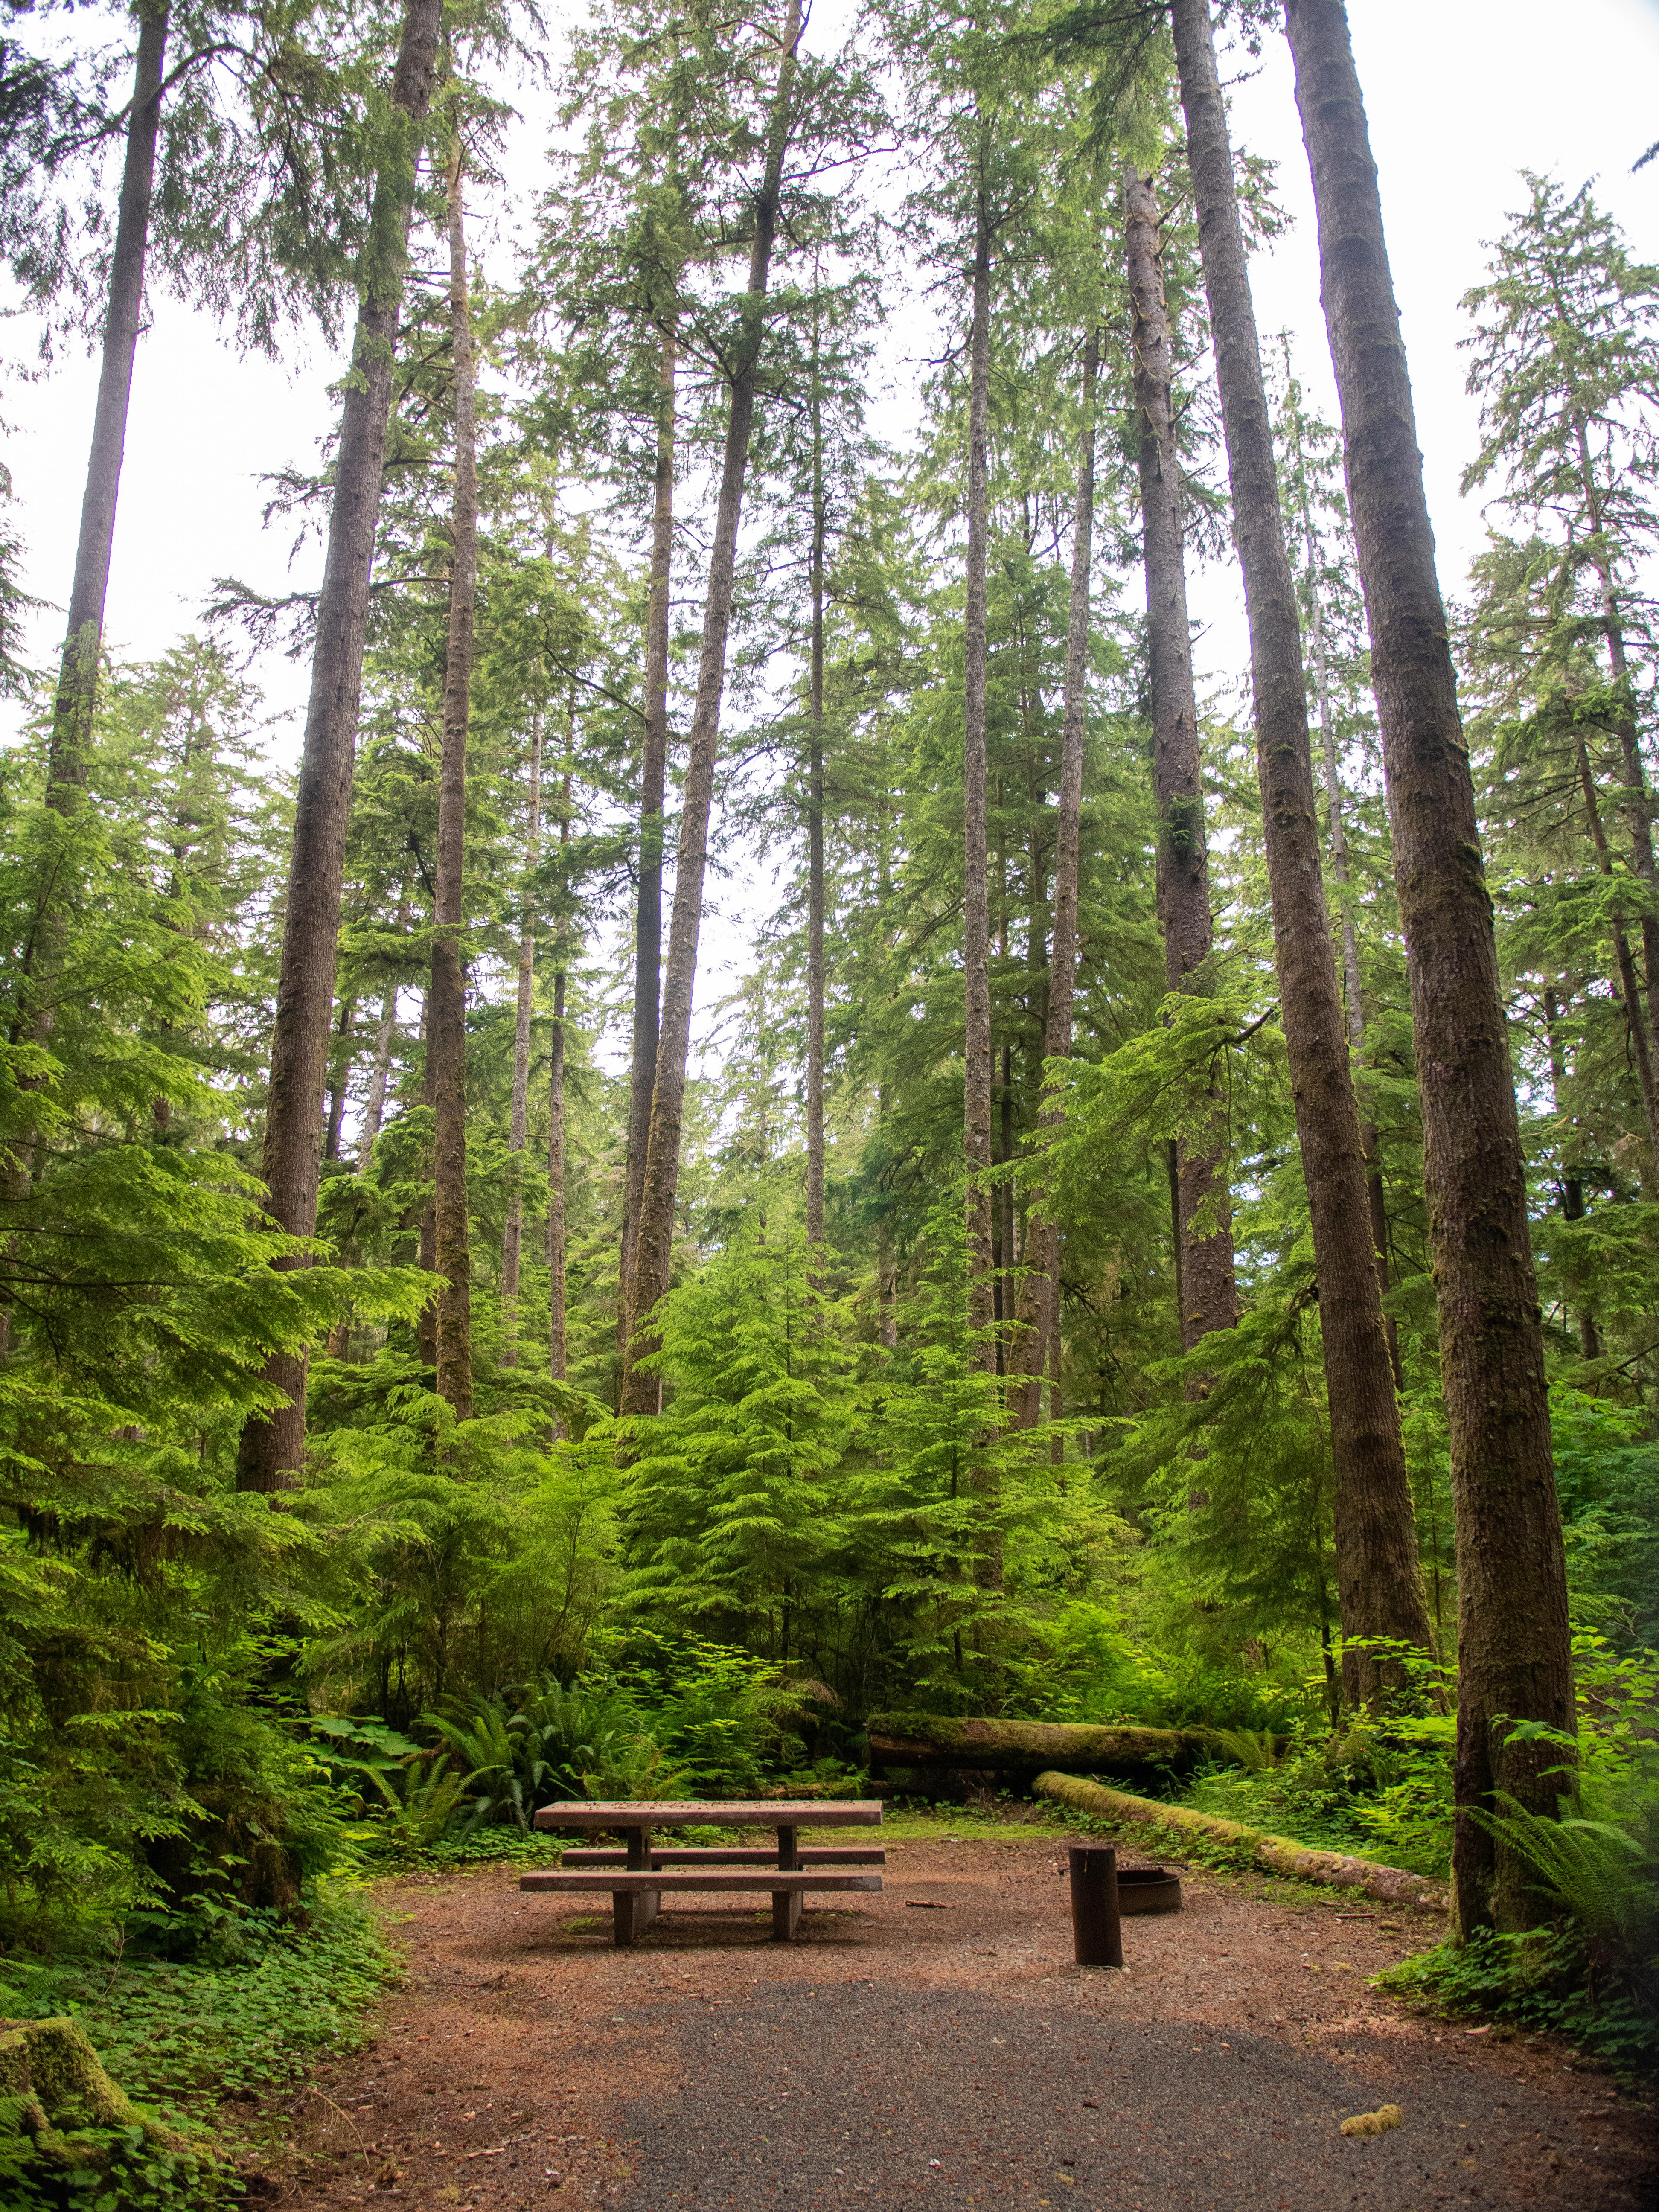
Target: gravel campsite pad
[951,2056]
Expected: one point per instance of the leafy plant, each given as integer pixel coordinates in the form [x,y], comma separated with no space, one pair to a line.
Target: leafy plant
[1257,1750]
[1542,1980]
[487,1749]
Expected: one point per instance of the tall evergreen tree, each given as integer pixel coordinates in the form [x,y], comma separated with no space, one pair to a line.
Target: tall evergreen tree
[1332,613]
[1566,363]
[1379,1584]
[272,1445]
[1514,1651]
[1038,1311]
[446,1028]
[77,681]
[1205,1289]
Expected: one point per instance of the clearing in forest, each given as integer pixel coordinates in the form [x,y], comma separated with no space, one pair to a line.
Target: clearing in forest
[935,2046]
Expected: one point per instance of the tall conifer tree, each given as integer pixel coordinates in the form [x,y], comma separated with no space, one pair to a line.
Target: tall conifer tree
[272,1445]
[1513,1648]
[1380,1586]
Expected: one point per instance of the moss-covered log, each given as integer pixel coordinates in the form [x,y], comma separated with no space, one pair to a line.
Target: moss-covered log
[54,2085]
[1278,1854]
[1027,1747]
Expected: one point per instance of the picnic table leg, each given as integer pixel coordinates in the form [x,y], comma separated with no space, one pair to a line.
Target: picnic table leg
[634,1910]
[786,1903]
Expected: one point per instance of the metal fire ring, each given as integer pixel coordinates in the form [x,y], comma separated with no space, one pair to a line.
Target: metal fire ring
[1148,1889]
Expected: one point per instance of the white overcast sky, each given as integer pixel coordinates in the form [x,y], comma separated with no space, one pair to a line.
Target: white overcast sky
[1461,95]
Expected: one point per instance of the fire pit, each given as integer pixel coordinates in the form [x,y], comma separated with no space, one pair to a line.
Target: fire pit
[1148,1889]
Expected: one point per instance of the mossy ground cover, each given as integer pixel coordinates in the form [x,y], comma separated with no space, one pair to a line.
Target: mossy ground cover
[180,2039]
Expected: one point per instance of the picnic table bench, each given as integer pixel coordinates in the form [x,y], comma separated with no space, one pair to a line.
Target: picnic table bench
[637,1874]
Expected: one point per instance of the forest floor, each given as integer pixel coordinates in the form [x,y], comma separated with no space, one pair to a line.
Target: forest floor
[954,2056]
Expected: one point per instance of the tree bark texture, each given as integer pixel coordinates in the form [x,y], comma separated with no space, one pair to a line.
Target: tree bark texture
[272,1446]
[519,1119]
[1379,1580]
[654,781]
[977,871]
[1353,995]
[76,703]
[446,1005]
[1514,1649]
[1207,1293]
[1037,1309]
[654,1249]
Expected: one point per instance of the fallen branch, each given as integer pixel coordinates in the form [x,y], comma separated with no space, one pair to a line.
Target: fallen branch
[1279,1854]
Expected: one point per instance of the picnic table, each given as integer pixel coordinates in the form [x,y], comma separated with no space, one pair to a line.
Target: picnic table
[637,1874]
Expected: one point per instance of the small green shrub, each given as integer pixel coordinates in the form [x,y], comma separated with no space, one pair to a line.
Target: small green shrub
[1381,1790]
[1544,1980]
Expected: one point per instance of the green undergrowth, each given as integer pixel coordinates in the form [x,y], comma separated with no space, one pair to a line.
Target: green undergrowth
[1543,1981]
[476,1847]
[1391,1804]
[181,2038]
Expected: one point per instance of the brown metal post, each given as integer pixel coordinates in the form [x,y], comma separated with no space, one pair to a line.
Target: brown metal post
[1097,1930]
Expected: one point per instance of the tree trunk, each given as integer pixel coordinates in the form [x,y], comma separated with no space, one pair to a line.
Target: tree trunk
[338,1342]
[556,1163]
[518,1125]
[654,1249]
[814,836]
[340,1080]
[272,1446]
[1625,988]
[1514,1647]
[446,1031]
[75,701]
[379,1074]
[1572,1183]
[1353,1000]
[976,871]
[556,1211]
[1056,1366]
[426,1335]
[1206,1292]
[1006,1251]
[1379,1582]
[1003,1746]
[886,1289]
[1037,1312]
[77,681]
[654,777]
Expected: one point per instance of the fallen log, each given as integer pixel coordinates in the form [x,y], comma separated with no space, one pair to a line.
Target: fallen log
[1278,1854]
[933,1740]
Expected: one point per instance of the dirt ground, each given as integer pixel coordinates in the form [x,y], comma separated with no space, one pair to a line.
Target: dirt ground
[934,2043]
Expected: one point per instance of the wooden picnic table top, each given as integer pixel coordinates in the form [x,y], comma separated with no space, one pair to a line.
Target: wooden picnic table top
[717,1813]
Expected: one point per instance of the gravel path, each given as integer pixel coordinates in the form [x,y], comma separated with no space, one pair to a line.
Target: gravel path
[935,2047]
